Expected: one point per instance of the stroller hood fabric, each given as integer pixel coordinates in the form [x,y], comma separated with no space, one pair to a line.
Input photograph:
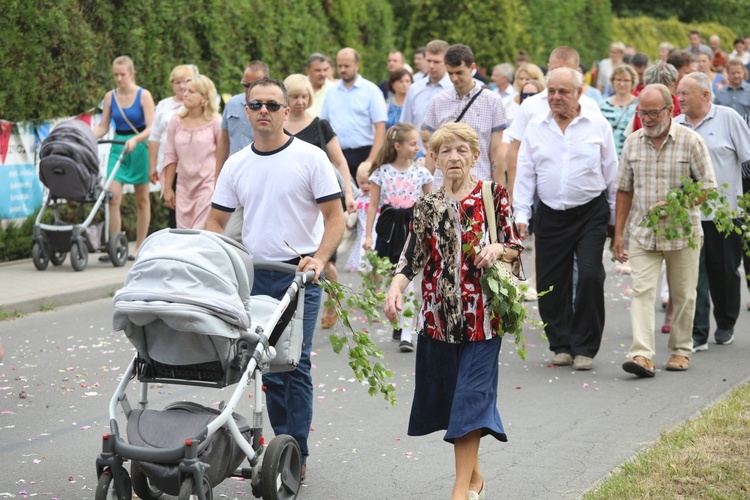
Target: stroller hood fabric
[69,160]
[188,290]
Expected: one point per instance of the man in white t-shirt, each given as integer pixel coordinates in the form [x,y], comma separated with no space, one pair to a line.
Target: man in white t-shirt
[289,191]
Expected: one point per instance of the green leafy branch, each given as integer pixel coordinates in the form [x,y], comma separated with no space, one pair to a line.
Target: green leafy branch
[506,298]
[672,218]
[364,354]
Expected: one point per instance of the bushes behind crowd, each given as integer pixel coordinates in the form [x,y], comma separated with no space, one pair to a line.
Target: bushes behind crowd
[57,55]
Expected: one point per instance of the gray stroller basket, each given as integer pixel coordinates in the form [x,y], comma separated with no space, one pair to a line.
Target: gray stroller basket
[186,307]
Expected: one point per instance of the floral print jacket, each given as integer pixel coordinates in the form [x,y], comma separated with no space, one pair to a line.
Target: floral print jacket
[442,242]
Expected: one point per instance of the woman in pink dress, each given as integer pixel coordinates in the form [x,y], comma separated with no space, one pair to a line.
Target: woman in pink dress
[192,136]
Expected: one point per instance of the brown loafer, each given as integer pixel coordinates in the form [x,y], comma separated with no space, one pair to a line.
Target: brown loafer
[678,363]
[329,318]
[639,365]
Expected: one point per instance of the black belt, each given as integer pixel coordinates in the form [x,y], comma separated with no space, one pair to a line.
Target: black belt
[295,261]
[129,131]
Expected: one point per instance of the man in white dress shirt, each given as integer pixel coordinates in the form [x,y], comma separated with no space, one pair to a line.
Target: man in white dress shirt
[537,105]
[568,158]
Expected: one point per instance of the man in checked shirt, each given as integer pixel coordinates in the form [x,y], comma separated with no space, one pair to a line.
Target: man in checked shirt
[653,161]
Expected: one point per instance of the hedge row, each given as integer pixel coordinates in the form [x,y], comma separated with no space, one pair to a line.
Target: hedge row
[57,55]
[645,33]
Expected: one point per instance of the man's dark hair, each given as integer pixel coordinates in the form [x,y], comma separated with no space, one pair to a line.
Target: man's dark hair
[316,57]
[421,50]
[259,66]
[639,59]
[695,32]
[738,40]
[457,54]
[680,58]
[268,82]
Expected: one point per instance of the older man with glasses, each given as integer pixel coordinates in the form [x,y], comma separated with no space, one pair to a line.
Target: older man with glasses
[293,204]
[236,133]
[655,160]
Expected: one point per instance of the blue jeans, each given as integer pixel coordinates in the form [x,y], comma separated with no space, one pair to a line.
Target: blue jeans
[289,395]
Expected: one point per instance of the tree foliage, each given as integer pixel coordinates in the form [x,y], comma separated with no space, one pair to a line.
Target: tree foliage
[494,29]
[57,55]
[582,24]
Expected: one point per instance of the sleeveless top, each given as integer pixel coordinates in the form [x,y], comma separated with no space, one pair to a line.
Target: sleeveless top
[134,114]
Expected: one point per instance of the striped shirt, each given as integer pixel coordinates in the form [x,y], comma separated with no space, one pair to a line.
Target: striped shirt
[650,174]
[486,115]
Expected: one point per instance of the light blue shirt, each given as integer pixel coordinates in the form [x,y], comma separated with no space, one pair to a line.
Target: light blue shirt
[234,121]
[354,112]
[419,97]
[737,99]
[728,139]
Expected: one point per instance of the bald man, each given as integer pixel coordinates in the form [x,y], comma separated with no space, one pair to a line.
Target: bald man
[356,110]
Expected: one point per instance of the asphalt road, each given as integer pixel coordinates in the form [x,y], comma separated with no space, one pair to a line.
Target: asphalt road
[567,429]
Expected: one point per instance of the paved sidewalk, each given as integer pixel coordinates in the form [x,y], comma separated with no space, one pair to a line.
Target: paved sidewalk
[24,289]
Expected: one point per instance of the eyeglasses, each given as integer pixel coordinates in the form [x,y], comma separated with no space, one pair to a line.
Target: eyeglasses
[270,105]
[619,80]
[245,84]
[651,114]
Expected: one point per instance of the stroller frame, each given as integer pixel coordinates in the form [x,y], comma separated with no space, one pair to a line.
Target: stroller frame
[280,474]
[51,242]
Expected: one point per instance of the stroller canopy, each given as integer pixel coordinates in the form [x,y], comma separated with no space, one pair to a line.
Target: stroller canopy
[69,160]
[186,289]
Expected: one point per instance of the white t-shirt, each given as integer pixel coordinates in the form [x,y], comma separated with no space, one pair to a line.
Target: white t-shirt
[280,191]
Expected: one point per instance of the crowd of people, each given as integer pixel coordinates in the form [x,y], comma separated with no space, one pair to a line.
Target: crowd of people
[573,157]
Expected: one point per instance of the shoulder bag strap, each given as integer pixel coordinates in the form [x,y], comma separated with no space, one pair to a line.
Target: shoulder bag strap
[469,105]
[114,96]
[489,210]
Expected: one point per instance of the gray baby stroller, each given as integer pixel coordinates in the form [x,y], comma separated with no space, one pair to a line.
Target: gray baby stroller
[187,309]
[69,168]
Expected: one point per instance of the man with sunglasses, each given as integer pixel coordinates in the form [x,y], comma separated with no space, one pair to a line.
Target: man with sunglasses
[236,133]
[292,204]
[653,161]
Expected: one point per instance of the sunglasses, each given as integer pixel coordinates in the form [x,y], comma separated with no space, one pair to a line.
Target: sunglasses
[526,95]
[270,105]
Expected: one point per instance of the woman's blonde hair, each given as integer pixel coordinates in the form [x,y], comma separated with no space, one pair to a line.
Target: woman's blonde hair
[298,84]
[205,87]
[451,132]
[624,69]
[124,61]
[534,72]
[183,71]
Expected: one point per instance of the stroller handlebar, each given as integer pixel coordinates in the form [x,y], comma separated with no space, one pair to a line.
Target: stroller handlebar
[109,141]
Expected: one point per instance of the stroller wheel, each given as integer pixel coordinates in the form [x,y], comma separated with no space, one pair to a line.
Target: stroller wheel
[141,486]
[79,255]
[117,248]
[281,470]
[187,491]
[40,255]
[57,258]
[109,488]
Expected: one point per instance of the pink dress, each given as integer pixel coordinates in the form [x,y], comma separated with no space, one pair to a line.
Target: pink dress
[194,151]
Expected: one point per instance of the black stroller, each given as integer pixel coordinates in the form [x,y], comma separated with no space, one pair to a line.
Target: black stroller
[69,168]
[186,307]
